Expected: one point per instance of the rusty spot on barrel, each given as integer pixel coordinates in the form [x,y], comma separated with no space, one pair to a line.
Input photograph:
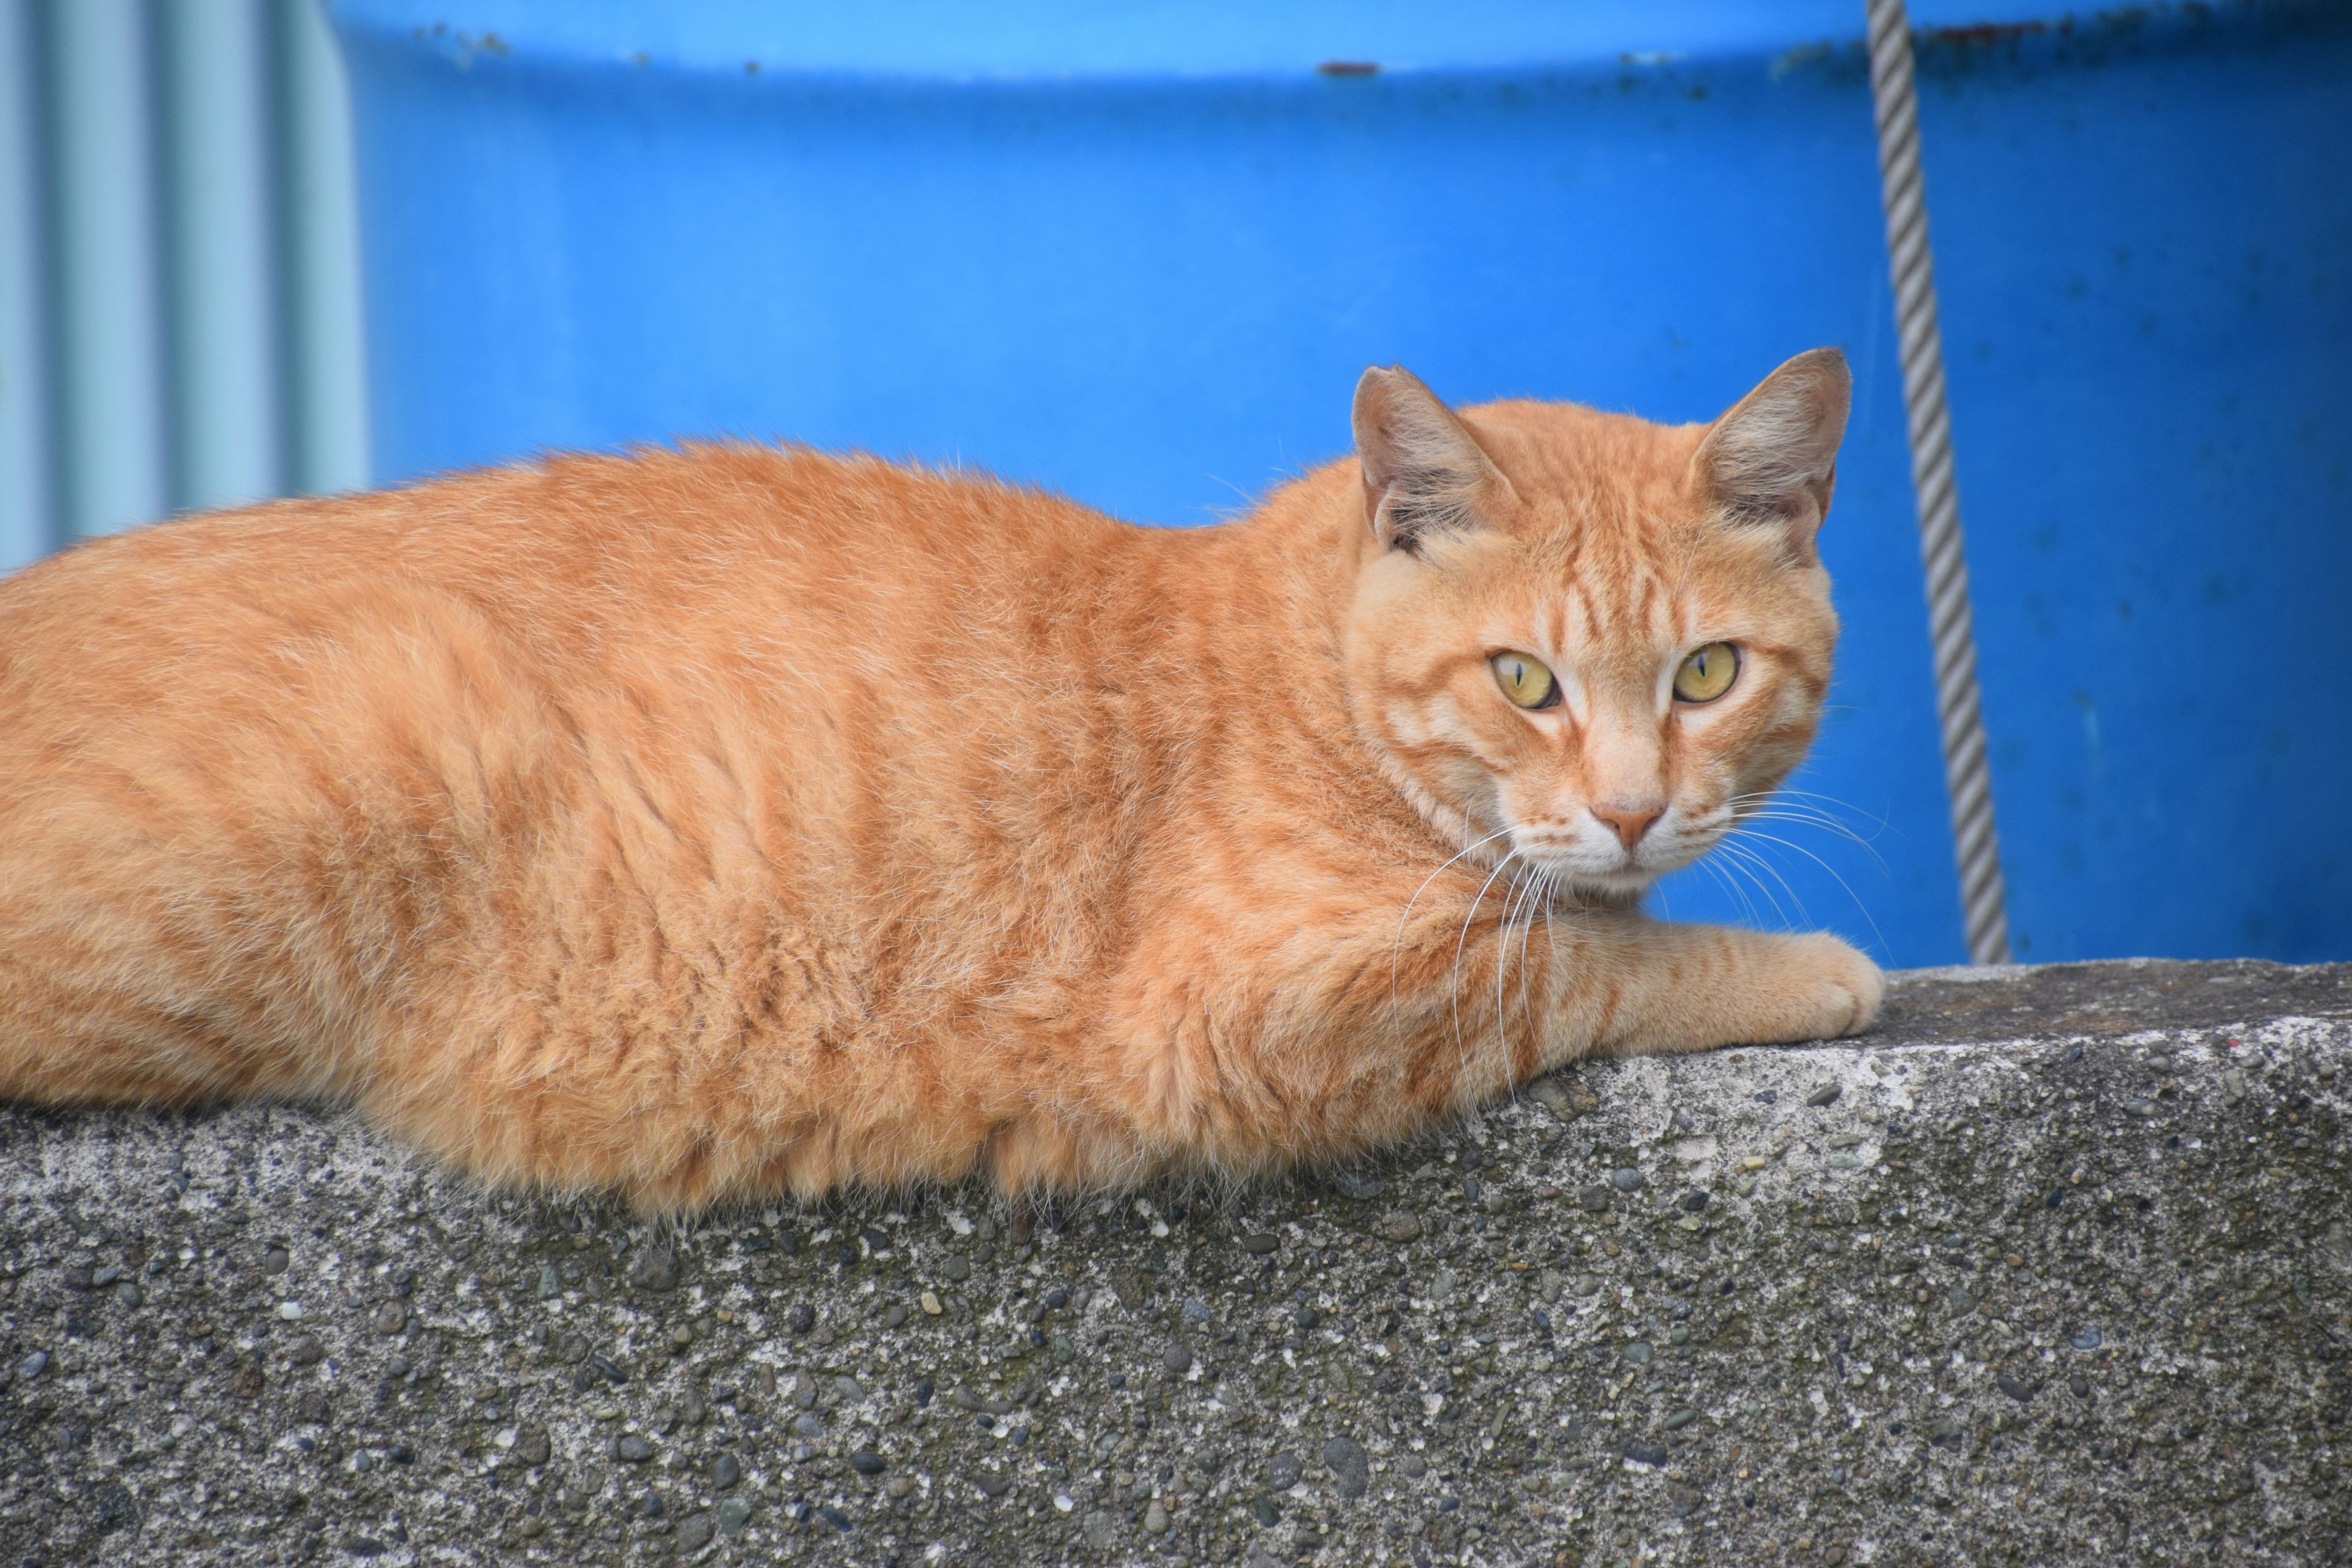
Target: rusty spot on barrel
[1981,34]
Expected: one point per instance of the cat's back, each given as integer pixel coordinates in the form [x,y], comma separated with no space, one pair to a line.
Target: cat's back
[570,551]
[414,751]
[667,570]
[509,639]
[539,759]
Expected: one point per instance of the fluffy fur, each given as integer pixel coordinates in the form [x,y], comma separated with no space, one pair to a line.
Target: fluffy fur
[715,821]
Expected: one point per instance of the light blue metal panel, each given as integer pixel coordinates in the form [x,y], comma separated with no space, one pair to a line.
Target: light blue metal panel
[26,527]
[326,368]
[109,316]
[179,264]
[220,266]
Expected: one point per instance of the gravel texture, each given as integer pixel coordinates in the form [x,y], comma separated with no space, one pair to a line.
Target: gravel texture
[2051,1269]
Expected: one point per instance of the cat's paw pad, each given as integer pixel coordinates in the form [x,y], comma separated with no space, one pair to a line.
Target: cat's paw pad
[1842,988]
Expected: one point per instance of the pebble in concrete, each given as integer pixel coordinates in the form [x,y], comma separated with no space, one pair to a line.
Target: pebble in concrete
[1350,1466]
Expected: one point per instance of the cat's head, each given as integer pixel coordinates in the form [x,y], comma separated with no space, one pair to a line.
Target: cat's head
[1596,638]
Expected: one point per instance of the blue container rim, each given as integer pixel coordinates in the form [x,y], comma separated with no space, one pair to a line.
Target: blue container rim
[1044,40]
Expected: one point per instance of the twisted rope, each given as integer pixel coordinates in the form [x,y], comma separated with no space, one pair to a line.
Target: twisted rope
[1951,626]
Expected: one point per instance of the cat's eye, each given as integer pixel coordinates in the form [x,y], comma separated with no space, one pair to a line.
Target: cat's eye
[1708,673]
[1525,680]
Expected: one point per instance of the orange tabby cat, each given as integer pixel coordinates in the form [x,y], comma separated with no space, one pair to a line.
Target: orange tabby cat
[706,822]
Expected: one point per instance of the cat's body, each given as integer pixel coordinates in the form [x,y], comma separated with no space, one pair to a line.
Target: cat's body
[706,822]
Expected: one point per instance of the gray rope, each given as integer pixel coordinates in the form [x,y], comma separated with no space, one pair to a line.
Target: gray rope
[1949,624]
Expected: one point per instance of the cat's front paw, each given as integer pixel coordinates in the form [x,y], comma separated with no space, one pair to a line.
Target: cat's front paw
[1837,989]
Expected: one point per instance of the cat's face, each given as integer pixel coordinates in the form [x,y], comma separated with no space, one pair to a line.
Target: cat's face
[1596,639]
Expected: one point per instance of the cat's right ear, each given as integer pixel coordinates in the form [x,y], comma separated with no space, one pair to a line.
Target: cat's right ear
[1423,471]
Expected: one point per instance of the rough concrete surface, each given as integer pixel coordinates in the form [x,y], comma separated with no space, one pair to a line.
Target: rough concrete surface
[2052,1268]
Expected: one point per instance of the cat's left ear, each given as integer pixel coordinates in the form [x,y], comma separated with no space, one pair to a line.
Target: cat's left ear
[1771,459]
[1424,473]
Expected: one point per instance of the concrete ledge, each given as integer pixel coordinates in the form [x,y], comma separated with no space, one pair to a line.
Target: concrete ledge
[2053,1269]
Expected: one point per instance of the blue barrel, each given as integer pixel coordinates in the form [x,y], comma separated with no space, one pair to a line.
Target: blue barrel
[1141,254]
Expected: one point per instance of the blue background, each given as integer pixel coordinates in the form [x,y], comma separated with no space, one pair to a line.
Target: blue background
[1140,254]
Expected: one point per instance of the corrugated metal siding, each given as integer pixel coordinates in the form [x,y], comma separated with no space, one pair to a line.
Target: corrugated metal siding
[179,264]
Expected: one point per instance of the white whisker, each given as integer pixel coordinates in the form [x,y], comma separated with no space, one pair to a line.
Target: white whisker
[1502,949]
[1751,843]
[1522,912]
[1395,947]
[1825,866]
[1747,858]
[1807,817]
[1461,1050]
[1543,882]
[1724,879]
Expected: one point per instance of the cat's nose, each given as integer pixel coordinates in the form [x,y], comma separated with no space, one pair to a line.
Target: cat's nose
[1630,822]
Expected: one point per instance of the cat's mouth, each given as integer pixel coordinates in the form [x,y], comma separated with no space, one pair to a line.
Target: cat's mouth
[1583,864]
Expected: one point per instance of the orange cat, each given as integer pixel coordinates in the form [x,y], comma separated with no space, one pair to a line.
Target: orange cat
[707,822]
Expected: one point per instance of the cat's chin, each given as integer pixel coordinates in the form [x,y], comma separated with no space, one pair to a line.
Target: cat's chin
[1616,891]
[1622,888]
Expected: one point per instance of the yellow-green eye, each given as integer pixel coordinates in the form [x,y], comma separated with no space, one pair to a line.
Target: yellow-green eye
[1708,673]
[1525,680]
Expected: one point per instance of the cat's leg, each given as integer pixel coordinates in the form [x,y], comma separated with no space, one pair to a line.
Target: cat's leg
[124,1028]
[1247,1050]
[1516,999]
[1494,1000]
[68,1038]
[1628,985]
[121,986]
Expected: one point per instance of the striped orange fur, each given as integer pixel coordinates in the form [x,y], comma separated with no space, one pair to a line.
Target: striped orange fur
[714,821]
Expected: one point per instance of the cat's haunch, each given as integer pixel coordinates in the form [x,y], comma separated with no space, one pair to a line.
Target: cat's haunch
[721,820]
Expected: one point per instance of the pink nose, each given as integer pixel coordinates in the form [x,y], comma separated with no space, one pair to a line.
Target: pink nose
[1628,821]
